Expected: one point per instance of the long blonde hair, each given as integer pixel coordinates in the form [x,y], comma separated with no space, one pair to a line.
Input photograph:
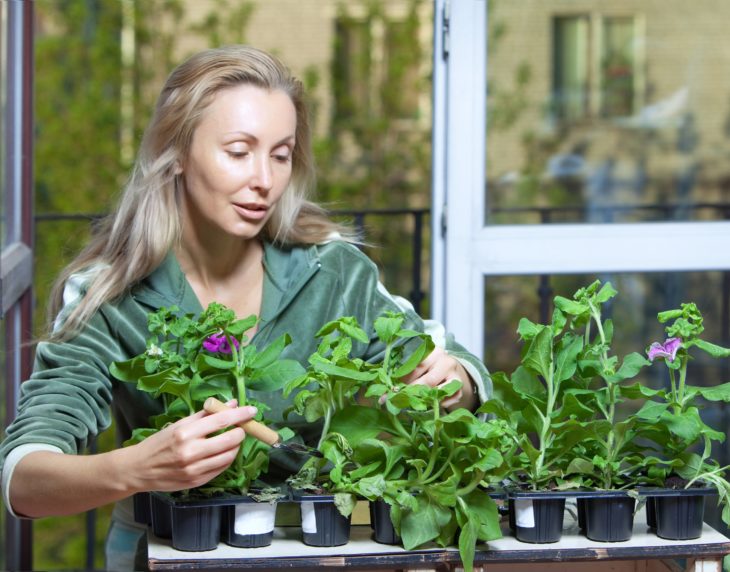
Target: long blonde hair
[134,239]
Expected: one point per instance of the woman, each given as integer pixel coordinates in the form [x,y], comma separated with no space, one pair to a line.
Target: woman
[215,210]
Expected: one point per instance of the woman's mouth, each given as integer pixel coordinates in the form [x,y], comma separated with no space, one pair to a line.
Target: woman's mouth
[251,211]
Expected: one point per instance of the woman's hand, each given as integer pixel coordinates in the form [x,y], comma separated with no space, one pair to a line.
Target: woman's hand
[439,367]
[183,456]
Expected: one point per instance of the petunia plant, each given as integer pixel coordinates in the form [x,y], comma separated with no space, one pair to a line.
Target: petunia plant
[563,400]
[682,437]
[391,441]
[189,359]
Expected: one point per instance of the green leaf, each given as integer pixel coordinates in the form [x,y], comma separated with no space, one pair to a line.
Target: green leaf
[527,383]
[606,293]
[239,326]
[579,466]
[538,358]
[639,391]
[276,375]
[423,524]
[712,349]
[418,355]
[631,366]
[322,365]
[467,544]
[527,329]
[130,370]
[686,426]
[717,393]
[270,353]
[652,411]
[358,423]
[570,306]
[387,326]
[565,361]
[219,363]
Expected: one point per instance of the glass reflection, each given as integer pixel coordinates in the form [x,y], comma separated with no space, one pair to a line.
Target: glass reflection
[608,114]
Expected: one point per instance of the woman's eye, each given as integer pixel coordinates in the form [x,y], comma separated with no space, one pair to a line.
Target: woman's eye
[237,154]
[282,158]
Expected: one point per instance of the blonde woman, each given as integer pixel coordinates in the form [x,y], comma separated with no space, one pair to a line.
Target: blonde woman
[215,209]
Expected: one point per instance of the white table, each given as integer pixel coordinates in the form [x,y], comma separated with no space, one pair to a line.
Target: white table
[645,552]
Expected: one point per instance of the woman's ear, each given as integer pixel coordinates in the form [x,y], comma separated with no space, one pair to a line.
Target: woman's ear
[177,168]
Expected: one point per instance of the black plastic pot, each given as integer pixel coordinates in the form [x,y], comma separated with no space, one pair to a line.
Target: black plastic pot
[651,512]
[609,516]
[249,524]
[142,510]
[191,524]
[580,505]
[537,518]
[680,517]
[161,516]
[382,525]
[196,528]
[678,513]
[322,523]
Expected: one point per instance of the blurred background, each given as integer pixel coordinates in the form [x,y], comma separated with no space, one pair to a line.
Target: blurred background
[597,112]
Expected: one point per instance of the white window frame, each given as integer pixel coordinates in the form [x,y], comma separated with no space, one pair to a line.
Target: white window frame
[465,251]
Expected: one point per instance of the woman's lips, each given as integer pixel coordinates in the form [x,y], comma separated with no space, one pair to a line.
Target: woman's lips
[251,211]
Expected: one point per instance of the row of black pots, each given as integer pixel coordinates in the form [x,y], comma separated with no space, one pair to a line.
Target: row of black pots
[607,516]
[199,525]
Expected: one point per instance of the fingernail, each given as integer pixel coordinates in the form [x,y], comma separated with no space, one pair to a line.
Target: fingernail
[251,410]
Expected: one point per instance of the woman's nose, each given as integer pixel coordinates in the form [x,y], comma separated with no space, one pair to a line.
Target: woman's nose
[262,178]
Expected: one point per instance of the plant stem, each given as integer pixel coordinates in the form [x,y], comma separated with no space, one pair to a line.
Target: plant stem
[435,444]
[465,490]
[325,426]
[611,450]
[546,420]
[675,397]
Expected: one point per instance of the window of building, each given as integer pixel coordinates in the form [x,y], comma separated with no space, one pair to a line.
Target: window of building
[595,71]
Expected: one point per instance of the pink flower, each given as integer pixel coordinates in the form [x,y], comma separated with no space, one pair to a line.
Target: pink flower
[218,343]
[667,350]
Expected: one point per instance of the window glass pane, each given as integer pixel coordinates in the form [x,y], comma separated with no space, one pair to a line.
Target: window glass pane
[618,63]
[607,112]
[570,57]
[634,314]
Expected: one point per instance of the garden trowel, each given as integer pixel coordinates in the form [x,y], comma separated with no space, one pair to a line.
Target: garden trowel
[262,432]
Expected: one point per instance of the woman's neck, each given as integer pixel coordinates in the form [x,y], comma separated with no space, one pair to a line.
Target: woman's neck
[231,273]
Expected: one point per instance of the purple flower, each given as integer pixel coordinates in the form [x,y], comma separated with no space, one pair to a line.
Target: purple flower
[218,343]
[667,350]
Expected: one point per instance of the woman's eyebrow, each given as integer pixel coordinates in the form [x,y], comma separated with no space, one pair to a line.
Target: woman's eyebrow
[245,135]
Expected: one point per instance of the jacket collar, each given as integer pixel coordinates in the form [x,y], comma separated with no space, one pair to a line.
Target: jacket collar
[287,271]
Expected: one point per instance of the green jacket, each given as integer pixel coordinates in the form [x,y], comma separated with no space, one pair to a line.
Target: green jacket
[70,396]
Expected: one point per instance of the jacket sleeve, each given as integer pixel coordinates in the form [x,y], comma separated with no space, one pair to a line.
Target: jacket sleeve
[67,400]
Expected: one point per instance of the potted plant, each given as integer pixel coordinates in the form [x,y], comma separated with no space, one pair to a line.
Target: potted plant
[549,408]
[612,459]
[188,360]
[685,473]
[563,402]
[422,468]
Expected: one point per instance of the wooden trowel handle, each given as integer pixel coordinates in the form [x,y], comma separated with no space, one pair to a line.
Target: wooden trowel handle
[251,427]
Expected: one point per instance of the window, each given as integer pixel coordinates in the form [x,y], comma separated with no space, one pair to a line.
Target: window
[351,68]
[595,69]
[377,66]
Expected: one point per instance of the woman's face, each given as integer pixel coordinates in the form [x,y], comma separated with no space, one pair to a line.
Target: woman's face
[240,161]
